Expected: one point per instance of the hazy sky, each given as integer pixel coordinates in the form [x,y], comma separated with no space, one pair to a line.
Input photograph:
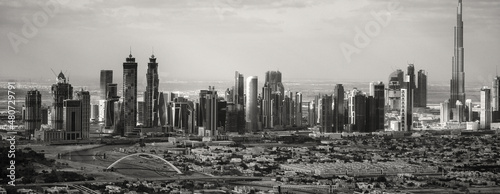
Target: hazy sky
[210,39]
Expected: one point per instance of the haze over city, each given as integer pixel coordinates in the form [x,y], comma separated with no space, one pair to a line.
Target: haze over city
[209,40]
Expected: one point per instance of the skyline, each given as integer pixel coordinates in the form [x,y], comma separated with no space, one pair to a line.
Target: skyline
[286,39]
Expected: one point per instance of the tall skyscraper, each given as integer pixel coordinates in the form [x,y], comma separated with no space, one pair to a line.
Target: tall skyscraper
[338,108]
[129,94]
[495,94]
[84,97]
[326,114]
[311,114]
[357,111]
[468,106]
[379,100]
[394,90]
[485,117]
[207,118]
[238,96]
[151,94]
[60,92]
[298,109]
[273,94]
[72,119]
[111,99]
[251,114]
[457,83]
[106,78]
[406,105]
[421,90]
[33,117]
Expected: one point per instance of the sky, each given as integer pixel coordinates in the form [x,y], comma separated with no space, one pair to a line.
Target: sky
[210,39]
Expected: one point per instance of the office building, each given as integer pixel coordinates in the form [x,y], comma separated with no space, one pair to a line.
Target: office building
[495,94]
[326,114]
[469,112]
[421,90]
[406,105]
[111,99]
[207,115]
[393,99]
[357,111]
[238,96]
[251,111]
[61,91]
[273,95]
[379,106]
[72,125]
[485,114]
[151,94]
[33,114]
[338,108]
[84,98]
[106,78]
[141,106]
[298,109]
[129,94]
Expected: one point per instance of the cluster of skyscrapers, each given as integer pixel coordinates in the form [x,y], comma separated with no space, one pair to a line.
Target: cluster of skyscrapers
[69,114]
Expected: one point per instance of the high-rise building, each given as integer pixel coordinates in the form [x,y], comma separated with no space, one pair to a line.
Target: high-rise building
[60,91]
[207,118]
[338,108]
[141,106]
[421,90]
[485,117]
[45,116]
[311,114]
[273,94]
[151,94]
[445,111]
[238,96]
[72,124]
[468,106]
[251,114]
[406,105]
[94,112]
[298,109]
[394,90]
[495,94]
[106,78]
[84,97]
[129,94]
[111,99]
[162,109]
[357,111]
[375,104]
[33,115]
[326,114]
[457,83]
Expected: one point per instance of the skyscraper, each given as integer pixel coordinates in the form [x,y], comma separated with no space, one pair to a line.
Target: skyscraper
[273,94]
[111,98]
[485,120]
[406,105]
[33,117]
[338,108]
[421,90]
[151,94]
[394,90]
[357,111]
[106,78]
[207,112]
[251,114]
[129,94]
[60,92]
[298,109]
[72,124]
[495,100]
[457,82]
[379,107]
[84,97]
[326,114]
[238,89]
